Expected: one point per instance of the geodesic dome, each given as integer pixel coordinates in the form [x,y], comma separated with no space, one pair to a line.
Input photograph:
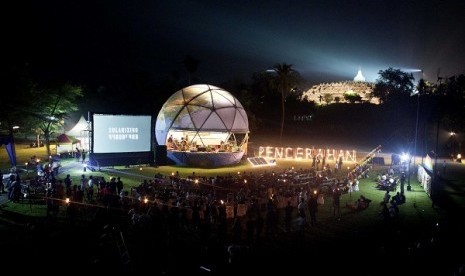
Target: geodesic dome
[207,115]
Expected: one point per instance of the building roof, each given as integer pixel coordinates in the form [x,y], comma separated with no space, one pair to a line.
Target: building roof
[65,139]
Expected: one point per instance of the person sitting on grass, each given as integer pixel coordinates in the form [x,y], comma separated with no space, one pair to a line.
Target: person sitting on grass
[361,204]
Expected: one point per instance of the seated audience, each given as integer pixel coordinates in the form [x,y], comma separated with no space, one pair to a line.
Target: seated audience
[361,203]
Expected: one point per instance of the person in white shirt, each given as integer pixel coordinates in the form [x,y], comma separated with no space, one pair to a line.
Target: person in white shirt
[90,189]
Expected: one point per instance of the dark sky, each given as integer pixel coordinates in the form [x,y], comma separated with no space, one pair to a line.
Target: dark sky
[323,40]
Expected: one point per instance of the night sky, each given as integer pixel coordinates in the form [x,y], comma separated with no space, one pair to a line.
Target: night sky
[323,40]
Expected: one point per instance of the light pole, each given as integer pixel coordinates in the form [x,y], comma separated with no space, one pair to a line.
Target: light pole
[409,188]
[435,168]
[416,129]
[421,85]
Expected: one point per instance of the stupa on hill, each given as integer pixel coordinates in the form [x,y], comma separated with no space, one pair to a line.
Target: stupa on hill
[334,92]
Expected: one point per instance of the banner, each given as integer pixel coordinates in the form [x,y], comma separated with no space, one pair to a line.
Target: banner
[9,143]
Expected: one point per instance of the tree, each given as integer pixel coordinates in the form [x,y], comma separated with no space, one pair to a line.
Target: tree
[242,91]
[52,105]
[393,84]
[423,87]
[453,109]
[328,98]
[19,86]
[285,79]
[352,97]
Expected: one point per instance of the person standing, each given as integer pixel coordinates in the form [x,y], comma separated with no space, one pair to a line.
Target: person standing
[288,216]
[444,164]
[90,189]
[2,186]
[77,154]
[83,183]
[119,185]
[336,202]
[10,185]
[170,142]
[83,155]
[68,184]
[313,208]
[402,182]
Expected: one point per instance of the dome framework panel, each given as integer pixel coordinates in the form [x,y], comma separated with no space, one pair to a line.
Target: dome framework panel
[206,115]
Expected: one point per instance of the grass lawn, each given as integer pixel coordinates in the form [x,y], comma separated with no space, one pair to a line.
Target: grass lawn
[336,238]
[135,174]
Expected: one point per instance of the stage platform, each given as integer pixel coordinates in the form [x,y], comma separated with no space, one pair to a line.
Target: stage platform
[205,159]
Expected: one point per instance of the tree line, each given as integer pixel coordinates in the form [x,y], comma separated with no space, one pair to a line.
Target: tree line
[272,98]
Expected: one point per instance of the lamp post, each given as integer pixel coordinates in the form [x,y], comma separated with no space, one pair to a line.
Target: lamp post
[416,129]
[454,145]
[409,188]
[435,168]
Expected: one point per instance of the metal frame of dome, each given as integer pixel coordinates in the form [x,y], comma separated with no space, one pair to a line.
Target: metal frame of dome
[203,115]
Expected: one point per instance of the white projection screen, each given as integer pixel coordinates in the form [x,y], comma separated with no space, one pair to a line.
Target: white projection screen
[121,133]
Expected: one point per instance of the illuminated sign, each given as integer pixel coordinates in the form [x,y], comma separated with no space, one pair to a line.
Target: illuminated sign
[307,153]
[123,133]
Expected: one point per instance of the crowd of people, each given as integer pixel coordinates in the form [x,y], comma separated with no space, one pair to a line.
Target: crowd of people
[225,210]
[184,144]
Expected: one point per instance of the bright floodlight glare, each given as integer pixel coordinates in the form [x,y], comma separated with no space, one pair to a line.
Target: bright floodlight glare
[452,133]
[404,157]
[411,70]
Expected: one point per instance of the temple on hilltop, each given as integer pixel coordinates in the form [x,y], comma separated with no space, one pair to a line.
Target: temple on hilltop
[359,77]
[334,92]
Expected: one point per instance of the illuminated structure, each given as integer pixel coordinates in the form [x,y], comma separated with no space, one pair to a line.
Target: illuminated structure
[359,77]
[327,93]
[81,131]
[203,125]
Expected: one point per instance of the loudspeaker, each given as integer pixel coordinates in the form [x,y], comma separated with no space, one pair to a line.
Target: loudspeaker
[161,158]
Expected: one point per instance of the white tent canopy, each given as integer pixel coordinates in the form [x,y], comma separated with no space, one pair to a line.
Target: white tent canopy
[80,131]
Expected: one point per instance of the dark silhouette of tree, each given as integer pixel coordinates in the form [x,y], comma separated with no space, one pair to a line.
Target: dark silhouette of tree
[18,87]
[286,78]
[52,105]
[263,96]
[422,87]
[191,65]
[328,98]
[454,103]
[352,97]
[393,84]
[243,92]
